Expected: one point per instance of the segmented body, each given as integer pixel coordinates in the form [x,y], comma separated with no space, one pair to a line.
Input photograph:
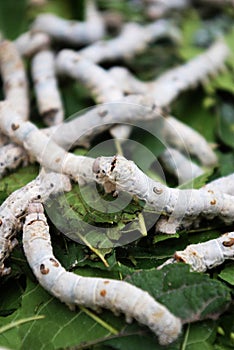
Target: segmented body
[206,255]
[70,288]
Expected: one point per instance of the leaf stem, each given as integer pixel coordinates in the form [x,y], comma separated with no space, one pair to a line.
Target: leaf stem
[183,347]
[19,322]
[104,324]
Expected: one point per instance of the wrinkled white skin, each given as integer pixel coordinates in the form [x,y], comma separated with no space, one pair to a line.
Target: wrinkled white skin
[42,148]
[11,156]
[13,208]
[180,207]
[14,78]
[179,165]
[170,84]
[133,39]
[94,77]
[118,296]
[159,8]
[73,32]
[46,88]
[206,255]
[29,43]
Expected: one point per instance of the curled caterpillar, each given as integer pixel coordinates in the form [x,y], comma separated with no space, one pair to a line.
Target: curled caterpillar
[170,84]
[28,43]
[16,204]
[206,255]
[14,78]
[46,88]
[73,32]
[132,39]
[180,208]
[72,289]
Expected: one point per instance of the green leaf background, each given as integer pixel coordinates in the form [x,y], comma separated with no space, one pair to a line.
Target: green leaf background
[193,297]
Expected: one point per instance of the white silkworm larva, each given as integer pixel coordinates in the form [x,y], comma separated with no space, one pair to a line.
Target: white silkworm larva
[118,296]
[15,205]
[94,77]
[133,38]
[11,156]
[41,147]
[159,8]
[223,184]
[206,255]
[170,84]
[29,43]
[46,88]
[179,165]
[73,32]
[14,78]
[182,206]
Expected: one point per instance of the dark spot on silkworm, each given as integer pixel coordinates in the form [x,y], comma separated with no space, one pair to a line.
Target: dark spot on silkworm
[44,270]
[178,258]
[51,185]
[103,113]
[153,106]
[54,262]
[103,171]
[213,202]
[165,111]
[106,282]
[39,196]
[1,164]
[57,160]
[158,190]
[113,163]
[103,293]
[14,126]
[0,222]
[210,191]
[229,243]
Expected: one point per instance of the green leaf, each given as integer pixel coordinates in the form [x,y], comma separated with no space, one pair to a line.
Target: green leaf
[175,286]
[199,181]
[17,180]
[227,274]
[200,336]
[13,21]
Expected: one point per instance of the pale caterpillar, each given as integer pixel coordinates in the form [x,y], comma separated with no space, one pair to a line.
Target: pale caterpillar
[133,39]
[13,208]
[29,43]
[73,32]
[181,208]
[206,255]
[72,289]
[46,88]
[170,84]
[11,156]
[159,8]
[179,165]
[41,147]
[94,77]
[14,78]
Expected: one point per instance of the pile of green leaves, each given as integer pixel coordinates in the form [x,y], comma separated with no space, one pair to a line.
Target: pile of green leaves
[29,317]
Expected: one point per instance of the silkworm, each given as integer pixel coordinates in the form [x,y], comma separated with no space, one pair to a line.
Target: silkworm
[14,78]
[42,148]
[11,157]
[159,8]
[72,32]
[29,43]
[206,255]
[46,88]
[94,77]
[133,39]
[72,289]
[12,209]
[170,84]
[180,207]
[179,165]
